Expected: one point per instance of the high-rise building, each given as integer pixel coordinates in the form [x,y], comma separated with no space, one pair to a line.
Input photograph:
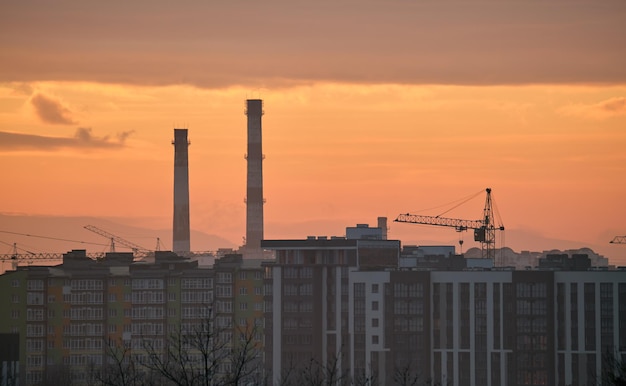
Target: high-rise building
[75,317]
[335,302]
[308,294]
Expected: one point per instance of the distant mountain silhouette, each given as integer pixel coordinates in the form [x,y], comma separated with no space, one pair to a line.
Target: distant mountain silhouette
[61,234]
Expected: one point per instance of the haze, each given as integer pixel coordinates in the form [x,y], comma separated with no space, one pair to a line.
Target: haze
[372,109]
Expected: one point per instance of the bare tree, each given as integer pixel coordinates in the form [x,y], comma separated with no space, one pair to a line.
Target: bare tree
[120,369]
[245,358]
[319,373]
[189,357]
[406,376]
[363,379]
[205,354]
[613,370]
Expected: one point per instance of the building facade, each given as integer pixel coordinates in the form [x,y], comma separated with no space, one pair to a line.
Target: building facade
[74,318]
[345,303]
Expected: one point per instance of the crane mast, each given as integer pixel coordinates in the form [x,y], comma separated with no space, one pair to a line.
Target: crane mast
[484,229]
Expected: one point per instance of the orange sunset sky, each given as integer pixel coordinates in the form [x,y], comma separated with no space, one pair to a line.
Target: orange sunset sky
[372,108]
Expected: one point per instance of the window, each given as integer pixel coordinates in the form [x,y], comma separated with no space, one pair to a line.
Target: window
[359,290]
[374,288]
[374,339]
[224,278]
[243,291]
[112,297]
[290,289]
[224,291]
[15,283]
[375,305]
[34,285]
[258,275]
[306,289]
[51,299]
[375,322]
[15,298]
[243,306]
[243,275]
[34,298]
[112,282]
[147,284]
[258,291]
[34,314]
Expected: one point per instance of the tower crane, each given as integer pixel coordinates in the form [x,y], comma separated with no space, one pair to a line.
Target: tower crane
[484,229]
[116,239]
[618,240]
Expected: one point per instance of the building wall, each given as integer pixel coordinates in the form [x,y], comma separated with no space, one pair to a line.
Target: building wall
[69,315]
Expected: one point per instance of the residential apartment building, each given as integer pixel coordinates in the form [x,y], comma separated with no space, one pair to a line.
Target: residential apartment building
[71,316]
[308,295]
[446,324]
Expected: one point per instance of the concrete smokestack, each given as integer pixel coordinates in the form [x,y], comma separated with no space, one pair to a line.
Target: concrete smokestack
[254,194]
[181,239]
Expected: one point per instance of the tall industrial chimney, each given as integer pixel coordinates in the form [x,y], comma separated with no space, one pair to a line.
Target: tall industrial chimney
[181,239]
[254,196]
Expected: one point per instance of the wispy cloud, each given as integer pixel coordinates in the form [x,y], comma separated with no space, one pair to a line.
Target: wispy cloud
[614,105]
[601,110]
[82,139]
[50,110]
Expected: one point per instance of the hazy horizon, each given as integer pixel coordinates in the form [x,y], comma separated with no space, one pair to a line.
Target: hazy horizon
[139,231]
[371,109]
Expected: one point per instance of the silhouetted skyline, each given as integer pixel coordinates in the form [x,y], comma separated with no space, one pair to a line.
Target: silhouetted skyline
[374,109]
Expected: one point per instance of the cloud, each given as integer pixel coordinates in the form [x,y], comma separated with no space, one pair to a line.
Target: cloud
[614,105]
[280,43]
[21,89]
[51,111]
[82,139]
[601,110]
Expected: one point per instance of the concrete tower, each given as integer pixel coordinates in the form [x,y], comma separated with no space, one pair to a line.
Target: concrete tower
[180,239]
[254,194]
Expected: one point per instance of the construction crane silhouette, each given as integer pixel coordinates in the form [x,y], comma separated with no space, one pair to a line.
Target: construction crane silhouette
[137,249]
[19,255]
[484,229]
[618,240]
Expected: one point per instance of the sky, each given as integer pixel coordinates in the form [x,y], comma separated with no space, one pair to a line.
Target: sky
[372,108]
